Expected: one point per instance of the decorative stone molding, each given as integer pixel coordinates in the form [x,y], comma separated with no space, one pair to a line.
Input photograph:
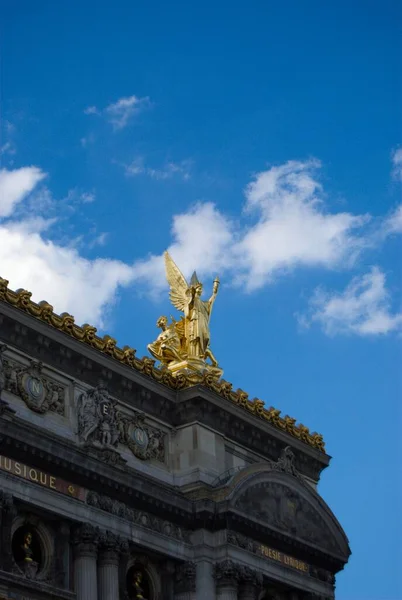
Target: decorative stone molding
[185,576]
[141,518]
[43,311]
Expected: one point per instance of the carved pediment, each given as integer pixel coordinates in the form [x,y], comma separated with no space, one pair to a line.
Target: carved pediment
[277,505]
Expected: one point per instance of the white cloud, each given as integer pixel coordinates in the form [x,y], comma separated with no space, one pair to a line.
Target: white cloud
[397,164]
[91,110]
[88,197]
[393,224]
[15,186]
[118,113]
[285,224]
[291,228]
[49,270]
[171,169]
[363,308]
[202,239]
[7,148]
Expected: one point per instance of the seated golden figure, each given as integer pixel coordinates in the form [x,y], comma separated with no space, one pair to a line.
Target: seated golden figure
[166,347]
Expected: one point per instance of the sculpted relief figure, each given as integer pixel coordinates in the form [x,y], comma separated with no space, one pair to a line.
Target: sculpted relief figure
[97,417]
[185,344]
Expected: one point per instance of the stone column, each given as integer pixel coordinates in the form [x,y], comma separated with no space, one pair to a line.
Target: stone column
[123,564]
[167,580]
[8,512]
[250,584]
[205,583]
[85,541]
[226,576]
[62,555]
[108,567]
[185,585]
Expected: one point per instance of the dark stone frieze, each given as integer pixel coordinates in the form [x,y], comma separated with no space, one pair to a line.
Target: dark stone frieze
[102,426]
[237,539]
[108,456]
[185,578]
[141,518]
[274,504]
[39,393]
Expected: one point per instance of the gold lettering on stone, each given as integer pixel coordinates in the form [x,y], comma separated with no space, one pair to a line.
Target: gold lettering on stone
[289,561]
[41,478]
[33,475]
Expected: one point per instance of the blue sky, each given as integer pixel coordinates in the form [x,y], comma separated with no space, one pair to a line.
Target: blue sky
[260,141]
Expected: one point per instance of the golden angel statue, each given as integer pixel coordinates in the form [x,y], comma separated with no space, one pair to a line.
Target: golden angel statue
[184,345]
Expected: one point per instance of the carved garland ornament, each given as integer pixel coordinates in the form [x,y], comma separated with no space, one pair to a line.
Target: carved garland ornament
[141,518]
[87,333]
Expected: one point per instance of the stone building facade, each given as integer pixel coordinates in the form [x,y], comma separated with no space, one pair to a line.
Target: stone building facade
[120,482]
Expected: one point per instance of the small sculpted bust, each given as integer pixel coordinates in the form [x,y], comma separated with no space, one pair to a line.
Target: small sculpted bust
[26,547]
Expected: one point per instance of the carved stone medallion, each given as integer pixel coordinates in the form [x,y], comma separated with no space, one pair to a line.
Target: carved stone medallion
[38,392]
[144,441]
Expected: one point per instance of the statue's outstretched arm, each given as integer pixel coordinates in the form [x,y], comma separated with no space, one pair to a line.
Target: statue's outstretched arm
[214,291]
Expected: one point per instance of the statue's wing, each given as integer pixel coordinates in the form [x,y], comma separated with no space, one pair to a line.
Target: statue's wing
[178,284]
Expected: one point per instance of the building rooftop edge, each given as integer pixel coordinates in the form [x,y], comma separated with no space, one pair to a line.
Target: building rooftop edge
[86,334]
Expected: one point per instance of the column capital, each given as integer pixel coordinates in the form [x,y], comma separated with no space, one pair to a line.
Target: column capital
[185,575]
[85,538]
[109,548]
[250,582]
[226,573]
